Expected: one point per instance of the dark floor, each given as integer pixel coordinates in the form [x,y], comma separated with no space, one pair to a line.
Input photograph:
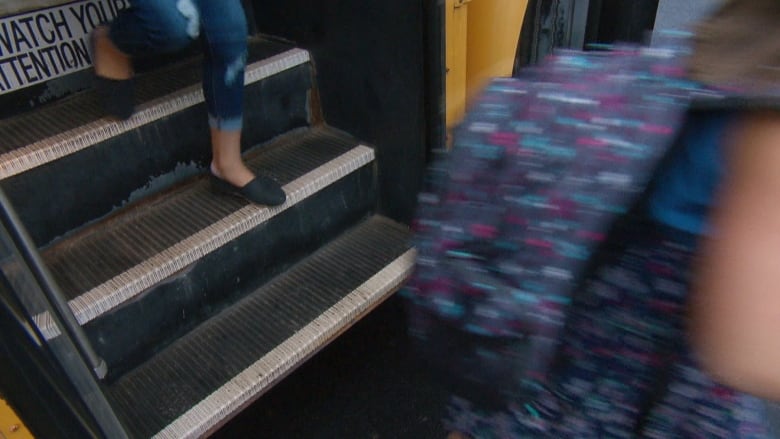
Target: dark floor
[366,384]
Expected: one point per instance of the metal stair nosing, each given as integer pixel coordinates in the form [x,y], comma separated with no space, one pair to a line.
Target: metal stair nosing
[242,388]
[76,139]
[298,349]
[171,308]
[151,158]
[134,281]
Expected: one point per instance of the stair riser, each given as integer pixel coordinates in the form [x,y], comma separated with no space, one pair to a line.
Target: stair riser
[65,194]
[179,304]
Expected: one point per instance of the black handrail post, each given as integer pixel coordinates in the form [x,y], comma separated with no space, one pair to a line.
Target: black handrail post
[72,347]
[63,315]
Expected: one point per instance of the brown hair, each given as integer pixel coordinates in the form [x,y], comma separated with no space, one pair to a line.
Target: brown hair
[739,45]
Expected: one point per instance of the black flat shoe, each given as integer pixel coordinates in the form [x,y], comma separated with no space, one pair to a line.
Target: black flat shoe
[260,190]
[115,95]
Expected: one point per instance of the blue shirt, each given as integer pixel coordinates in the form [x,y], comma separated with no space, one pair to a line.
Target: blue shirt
[686,188]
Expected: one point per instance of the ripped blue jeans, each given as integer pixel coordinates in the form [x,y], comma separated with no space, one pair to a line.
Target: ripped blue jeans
[160,26]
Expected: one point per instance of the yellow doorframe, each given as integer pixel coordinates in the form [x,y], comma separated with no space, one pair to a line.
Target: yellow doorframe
[11,427]
[481,43]
[456,28]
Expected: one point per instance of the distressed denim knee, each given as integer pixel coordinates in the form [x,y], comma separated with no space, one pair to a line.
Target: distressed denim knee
[156,26]
[223,84]
[225,34]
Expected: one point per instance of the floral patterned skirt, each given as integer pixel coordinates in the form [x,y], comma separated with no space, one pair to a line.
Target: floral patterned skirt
[624,368]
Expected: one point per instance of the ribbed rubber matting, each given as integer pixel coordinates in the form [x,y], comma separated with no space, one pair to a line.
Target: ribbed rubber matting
[240,352]
[73,124]
[83,108]
[149,229]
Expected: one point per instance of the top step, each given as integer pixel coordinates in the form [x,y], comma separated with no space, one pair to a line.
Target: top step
[37,138]
[164,142]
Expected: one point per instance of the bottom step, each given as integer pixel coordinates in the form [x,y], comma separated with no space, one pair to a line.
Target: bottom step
[202,380]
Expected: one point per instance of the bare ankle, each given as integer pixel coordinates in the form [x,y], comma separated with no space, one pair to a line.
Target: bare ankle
[238,175]
[108,61]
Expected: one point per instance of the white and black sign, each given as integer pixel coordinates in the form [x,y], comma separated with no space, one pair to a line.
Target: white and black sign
[45,44]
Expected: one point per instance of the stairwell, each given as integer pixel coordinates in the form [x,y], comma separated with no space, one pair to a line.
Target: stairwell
[199,303]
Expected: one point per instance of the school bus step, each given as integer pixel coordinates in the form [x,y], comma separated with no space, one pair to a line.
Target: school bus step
[45,154]
[201,380]
[38,137]
[139,279]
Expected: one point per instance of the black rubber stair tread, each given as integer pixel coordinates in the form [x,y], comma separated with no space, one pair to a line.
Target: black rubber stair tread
[199,381]
[118,258]
[36,138]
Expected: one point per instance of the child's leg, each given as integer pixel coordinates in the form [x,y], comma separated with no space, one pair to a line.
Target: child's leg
[225,35]
[147,27]
[225,40]
[155,26]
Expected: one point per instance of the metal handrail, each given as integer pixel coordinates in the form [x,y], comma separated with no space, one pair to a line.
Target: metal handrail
[62,315]
[24,321]
[84,369]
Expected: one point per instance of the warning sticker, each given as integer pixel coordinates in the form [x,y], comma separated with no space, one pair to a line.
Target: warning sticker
[45,44]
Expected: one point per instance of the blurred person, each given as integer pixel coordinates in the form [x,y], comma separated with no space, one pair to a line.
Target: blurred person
[675,333]
[162,26]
